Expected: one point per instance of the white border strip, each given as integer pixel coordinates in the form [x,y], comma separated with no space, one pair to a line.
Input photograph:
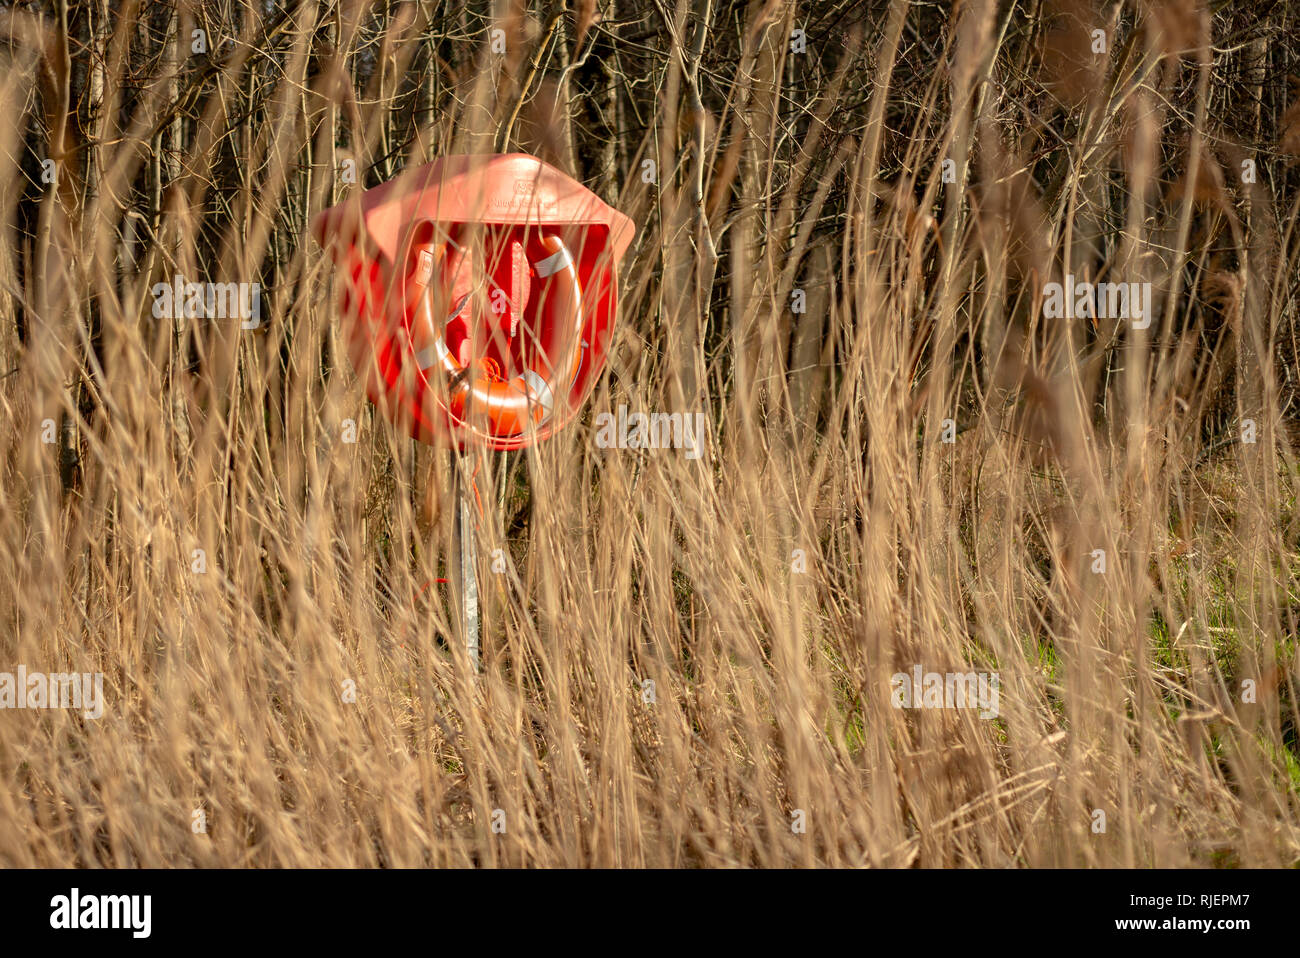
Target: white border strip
[554,263]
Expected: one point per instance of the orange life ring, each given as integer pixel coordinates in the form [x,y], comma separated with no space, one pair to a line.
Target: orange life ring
[482,397]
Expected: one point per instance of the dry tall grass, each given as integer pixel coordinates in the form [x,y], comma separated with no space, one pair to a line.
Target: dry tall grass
[776,170]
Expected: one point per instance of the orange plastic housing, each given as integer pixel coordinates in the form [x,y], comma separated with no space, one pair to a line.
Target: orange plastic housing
[478,296]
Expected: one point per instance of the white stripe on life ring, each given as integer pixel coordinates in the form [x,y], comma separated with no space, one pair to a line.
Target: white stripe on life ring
[430,356]
[539,392]
[554,263]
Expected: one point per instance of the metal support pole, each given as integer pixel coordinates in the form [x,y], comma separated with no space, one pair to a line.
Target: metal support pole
[464,579]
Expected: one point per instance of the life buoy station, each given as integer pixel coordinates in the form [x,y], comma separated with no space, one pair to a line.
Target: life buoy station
[478,296]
